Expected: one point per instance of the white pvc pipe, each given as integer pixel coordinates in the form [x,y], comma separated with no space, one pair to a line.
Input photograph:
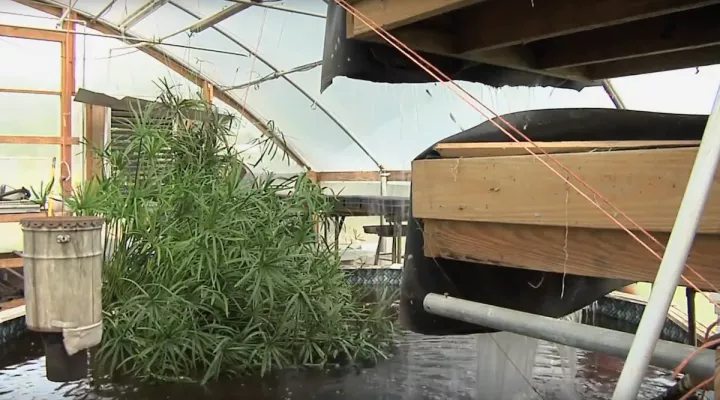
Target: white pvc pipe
[383,192]
[673,262]
[593,338]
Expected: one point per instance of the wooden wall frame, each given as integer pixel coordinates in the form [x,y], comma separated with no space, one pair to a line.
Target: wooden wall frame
[67,89]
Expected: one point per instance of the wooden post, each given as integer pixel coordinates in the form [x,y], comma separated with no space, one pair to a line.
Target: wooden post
[314,177]
[208,91]
[94,140]
[67,88]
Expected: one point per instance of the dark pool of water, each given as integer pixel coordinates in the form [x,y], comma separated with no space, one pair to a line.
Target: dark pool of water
[423,368]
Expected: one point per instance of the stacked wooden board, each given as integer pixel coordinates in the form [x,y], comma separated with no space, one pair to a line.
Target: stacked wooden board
[496,203]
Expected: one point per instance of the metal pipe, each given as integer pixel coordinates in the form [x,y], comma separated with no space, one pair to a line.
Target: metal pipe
[616,343]
[382,244]
[278,8]
[304,92]
[613,94]
[275,75]
[673,261]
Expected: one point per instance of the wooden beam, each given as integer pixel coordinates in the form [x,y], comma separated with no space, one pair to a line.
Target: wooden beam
[10,218]
[18,139]
[525,21]
[208,91]
[95,117]
[605,253]
[494,149]
[67,87]
[30,91]
[680,31]
[360,176]
[395,13]
[655,63]
[647,185]
[22,32]
[175,64]
[12,309]
[10,261]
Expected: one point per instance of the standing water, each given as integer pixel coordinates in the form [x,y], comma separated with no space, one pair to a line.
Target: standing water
[506,362]
[422,368]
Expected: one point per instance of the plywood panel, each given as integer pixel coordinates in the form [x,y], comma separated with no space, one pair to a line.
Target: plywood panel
[647,185]
[606,253]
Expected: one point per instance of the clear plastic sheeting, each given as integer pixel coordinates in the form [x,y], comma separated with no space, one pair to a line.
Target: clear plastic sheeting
[335,130]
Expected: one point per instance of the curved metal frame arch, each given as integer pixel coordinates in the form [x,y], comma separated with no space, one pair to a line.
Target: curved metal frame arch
[188,72]
[310,97]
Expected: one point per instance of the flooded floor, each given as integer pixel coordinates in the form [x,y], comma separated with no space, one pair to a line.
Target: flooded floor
[423,368]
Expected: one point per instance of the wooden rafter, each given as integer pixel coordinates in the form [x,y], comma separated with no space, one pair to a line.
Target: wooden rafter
[397,13]
[571,39]
[667,33]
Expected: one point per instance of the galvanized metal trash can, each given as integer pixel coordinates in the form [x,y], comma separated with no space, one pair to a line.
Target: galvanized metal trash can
[63,274]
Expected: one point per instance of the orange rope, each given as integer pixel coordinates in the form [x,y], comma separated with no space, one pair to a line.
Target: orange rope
[687,359]
[419,60]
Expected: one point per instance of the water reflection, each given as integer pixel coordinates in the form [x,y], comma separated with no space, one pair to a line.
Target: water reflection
[423,368]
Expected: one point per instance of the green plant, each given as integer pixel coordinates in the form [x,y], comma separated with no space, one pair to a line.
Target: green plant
[41,196]
[208,273]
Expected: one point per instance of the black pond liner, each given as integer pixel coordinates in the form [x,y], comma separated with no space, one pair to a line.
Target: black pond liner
[508,287]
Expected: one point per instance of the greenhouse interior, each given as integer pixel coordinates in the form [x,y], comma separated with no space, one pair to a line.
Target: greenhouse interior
[199,200]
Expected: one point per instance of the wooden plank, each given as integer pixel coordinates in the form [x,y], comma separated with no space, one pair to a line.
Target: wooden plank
[22,32]
[525,21]
[648,185]
[680,31]
[11,262]
[360,176]
[604,253]
[30,91]
[10,218]
[391,14]
[11,310]
[655,63]
[95,117]
[20,139]
[493,149]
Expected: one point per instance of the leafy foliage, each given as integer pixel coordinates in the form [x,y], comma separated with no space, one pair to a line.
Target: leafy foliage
[210,272]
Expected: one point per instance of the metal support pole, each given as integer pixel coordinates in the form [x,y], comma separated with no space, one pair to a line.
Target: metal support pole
[673,262]
[613,94]
[666,354]
[383,221]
